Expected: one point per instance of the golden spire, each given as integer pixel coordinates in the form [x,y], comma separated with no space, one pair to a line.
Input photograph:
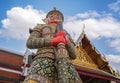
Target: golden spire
[83,32]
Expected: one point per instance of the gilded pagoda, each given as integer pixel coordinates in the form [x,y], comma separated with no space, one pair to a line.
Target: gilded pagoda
[93,66]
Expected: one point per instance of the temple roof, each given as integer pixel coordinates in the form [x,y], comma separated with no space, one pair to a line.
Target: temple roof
[93,53]
[11,66]
[11,51]
[97,73]
[11,59]
[98,65]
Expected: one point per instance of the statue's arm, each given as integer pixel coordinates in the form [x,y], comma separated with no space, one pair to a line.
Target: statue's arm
[71,47]
[36,41]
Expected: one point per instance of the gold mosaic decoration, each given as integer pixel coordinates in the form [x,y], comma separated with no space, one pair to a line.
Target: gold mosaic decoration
[83,58]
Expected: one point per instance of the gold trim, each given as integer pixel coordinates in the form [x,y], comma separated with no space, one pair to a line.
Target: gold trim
[83,58]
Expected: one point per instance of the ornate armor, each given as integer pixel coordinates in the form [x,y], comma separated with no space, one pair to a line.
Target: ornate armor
[51,62]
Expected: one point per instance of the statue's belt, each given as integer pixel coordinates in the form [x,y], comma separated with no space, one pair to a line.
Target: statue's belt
[44,53]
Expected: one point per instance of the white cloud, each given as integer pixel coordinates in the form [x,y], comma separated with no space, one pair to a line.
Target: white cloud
[98,26]
[104,27]
[115,44]
[89,14]
[115,6]
[114,61]
[19,20]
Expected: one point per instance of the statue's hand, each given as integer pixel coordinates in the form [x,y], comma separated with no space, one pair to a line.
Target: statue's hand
[61,33]
[59,39]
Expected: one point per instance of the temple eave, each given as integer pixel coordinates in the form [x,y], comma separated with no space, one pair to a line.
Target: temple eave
[96,73]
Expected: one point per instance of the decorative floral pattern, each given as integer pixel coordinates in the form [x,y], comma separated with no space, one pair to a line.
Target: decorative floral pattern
[67,72]
[43,71]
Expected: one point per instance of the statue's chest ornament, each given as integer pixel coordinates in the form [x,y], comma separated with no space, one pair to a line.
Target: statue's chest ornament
[47,32]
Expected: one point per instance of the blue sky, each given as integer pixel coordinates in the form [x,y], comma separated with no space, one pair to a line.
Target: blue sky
[101,19]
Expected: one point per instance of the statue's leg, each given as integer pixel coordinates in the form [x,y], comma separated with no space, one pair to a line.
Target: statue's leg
[67,72]
[42,70]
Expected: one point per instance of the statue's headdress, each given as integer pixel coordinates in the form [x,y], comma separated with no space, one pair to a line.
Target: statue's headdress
[55,14]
